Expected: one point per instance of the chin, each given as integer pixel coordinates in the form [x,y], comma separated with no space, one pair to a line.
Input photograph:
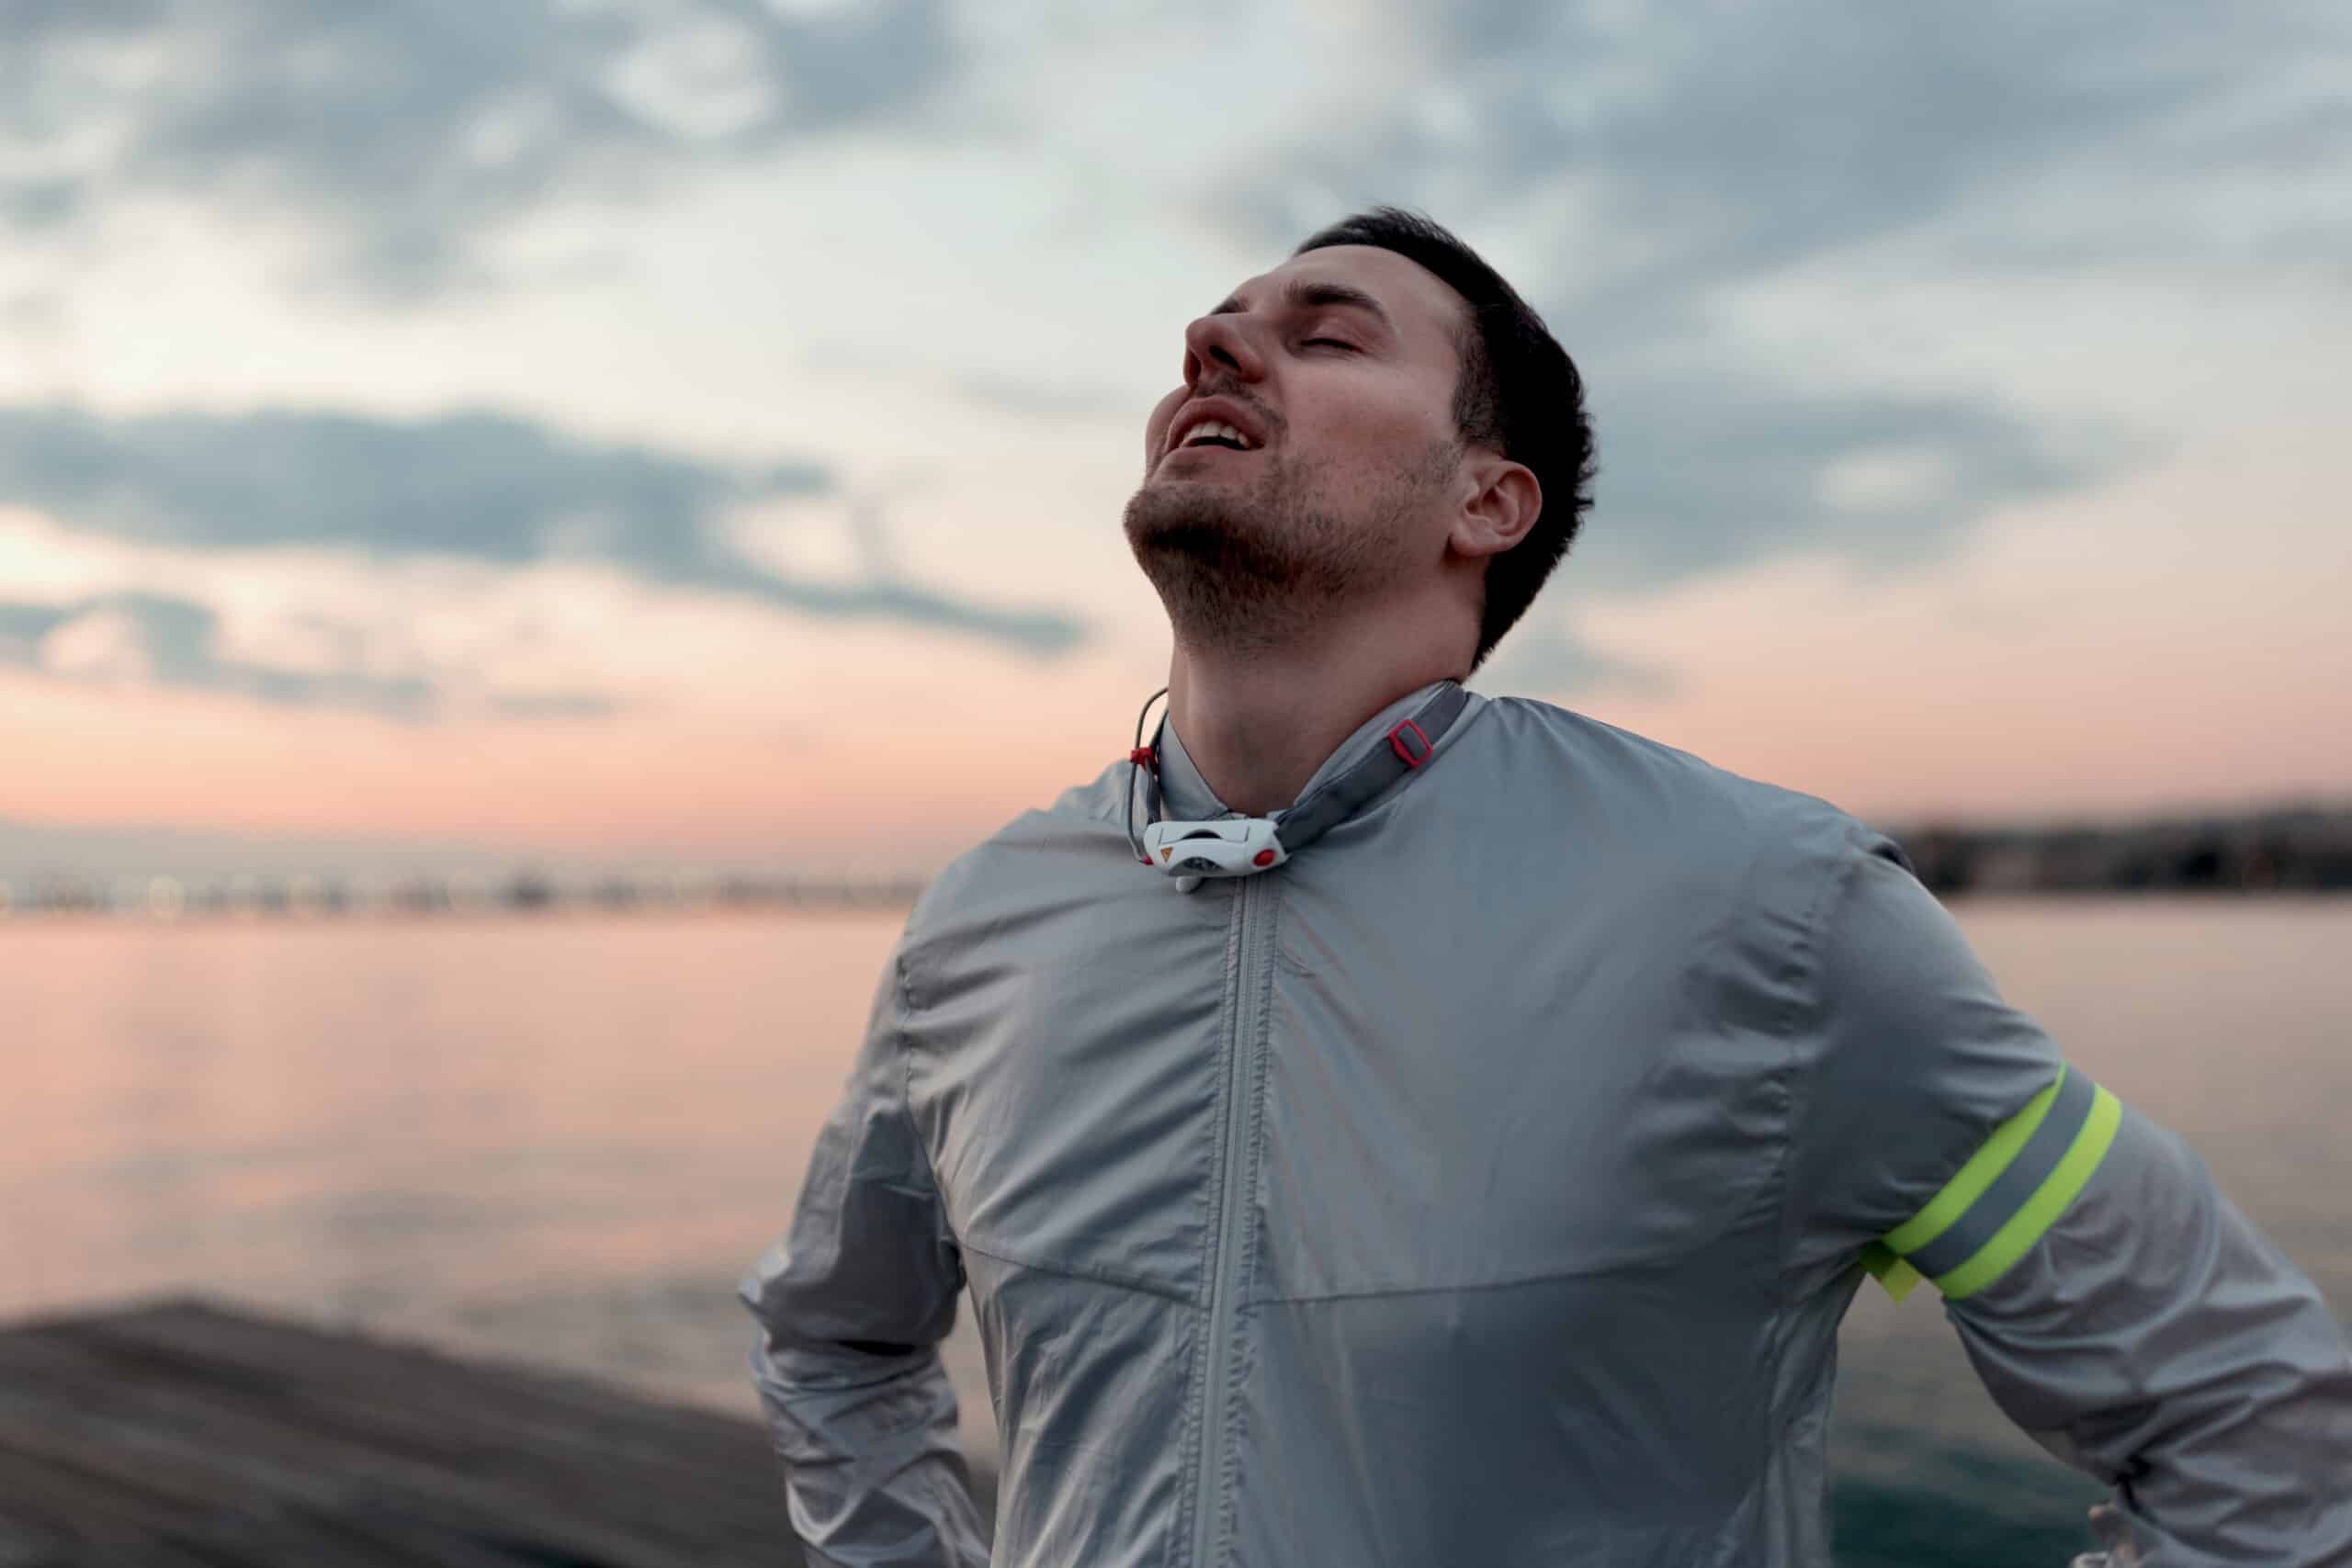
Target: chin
[1184,517]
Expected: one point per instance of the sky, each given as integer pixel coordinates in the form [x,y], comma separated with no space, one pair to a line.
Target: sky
[695,432]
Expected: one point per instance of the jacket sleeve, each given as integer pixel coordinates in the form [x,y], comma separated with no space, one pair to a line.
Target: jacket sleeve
[2115,1303]
[852,1304]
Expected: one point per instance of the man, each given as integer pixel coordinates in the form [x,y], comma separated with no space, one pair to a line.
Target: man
[1466,1160]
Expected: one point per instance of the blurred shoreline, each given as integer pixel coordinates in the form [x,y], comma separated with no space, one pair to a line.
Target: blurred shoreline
[2285,848]
[164,897]
[2279,850]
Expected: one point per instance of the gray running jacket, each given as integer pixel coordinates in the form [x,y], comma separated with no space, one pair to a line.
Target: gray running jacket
[1484,1187]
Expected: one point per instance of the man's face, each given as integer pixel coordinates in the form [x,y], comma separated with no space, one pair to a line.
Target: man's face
[1337,370]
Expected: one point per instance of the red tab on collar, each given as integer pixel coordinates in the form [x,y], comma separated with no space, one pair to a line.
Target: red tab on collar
[1397,743]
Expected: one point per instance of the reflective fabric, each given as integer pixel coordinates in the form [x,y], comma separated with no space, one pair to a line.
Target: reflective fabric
[2006,1196]
[1484,1185]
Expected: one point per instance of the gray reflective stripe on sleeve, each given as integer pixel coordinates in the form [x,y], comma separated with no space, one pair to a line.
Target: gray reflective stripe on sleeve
[1346,793]
[2007,1194]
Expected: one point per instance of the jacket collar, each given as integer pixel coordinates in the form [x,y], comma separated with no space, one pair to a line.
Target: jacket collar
[1185,795]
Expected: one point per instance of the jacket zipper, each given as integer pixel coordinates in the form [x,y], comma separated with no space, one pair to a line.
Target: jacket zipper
[1209,1522]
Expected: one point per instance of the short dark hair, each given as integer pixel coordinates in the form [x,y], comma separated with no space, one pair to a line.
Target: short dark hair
[1518,392]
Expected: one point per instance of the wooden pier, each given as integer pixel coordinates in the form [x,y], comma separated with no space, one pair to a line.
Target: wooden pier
[179,1435]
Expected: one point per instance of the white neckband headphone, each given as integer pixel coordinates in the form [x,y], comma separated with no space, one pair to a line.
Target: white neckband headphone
[1244,846]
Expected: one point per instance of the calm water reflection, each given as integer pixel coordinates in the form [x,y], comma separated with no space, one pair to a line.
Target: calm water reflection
[565,1138]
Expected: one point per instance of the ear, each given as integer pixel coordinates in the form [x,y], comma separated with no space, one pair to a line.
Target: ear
[1502,503]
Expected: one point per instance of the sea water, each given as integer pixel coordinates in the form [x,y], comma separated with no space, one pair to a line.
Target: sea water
[565,1137]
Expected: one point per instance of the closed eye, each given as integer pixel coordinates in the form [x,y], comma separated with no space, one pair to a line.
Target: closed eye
[1333,342]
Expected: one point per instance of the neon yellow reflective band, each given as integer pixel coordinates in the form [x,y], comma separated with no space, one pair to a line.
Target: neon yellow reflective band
[1982,1167]
[2041,1211]
[1895,1277]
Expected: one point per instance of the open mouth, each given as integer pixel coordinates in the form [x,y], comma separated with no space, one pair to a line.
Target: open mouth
[1214,433]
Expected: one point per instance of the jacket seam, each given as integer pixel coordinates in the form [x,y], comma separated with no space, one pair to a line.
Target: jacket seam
[901,1026]
[1805,963]
[1176,1544]
[1509,1283]
[1736,904]
[1070,1271]
[943,1507]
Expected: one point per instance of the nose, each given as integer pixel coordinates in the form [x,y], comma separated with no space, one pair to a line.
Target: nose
[1221,343]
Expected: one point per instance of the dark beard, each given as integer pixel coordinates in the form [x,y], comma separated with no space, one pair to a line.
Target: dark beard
[1256,569]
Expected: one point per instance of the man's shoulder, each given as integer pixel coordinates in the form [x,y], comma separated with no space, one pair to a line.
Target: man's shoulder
[1059,849]
[1603,775]
[1625,760]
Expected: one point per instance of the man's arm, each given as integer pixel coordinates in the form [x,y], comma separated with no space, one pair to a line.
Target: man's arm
[852,1302]
[2116,1305]
[2154,1338]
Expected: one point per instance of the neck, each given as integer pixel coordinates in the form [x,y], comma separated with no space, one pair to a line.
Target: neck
[1258,722]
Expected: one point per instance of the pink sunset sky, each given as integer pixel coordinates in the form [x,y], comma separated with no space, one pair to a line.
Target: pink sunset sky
[670,434]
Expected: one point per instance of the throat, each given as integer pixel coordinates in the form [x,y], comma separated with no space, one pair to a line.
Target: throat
[1258,728]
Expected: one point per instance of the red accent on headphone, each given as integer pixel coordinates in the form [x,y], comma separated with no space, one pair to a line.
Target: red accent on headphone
[1142,757]
[1263,857]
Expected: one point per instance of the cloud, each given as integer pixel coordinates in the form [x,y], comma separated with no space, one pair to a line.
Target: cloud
[1638,173]
[1738,138]
[472,486]
[23,626]
[1714,476]
[36,205]
[1631,171]
[155,639]
[413,131]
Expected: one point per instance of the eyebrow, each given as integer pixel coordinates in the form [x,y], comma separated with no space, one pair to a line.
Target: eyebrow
[1305,294]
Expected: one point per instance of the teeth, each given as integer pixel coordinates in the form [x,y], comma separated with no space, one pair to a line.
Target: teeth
[1214,429]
